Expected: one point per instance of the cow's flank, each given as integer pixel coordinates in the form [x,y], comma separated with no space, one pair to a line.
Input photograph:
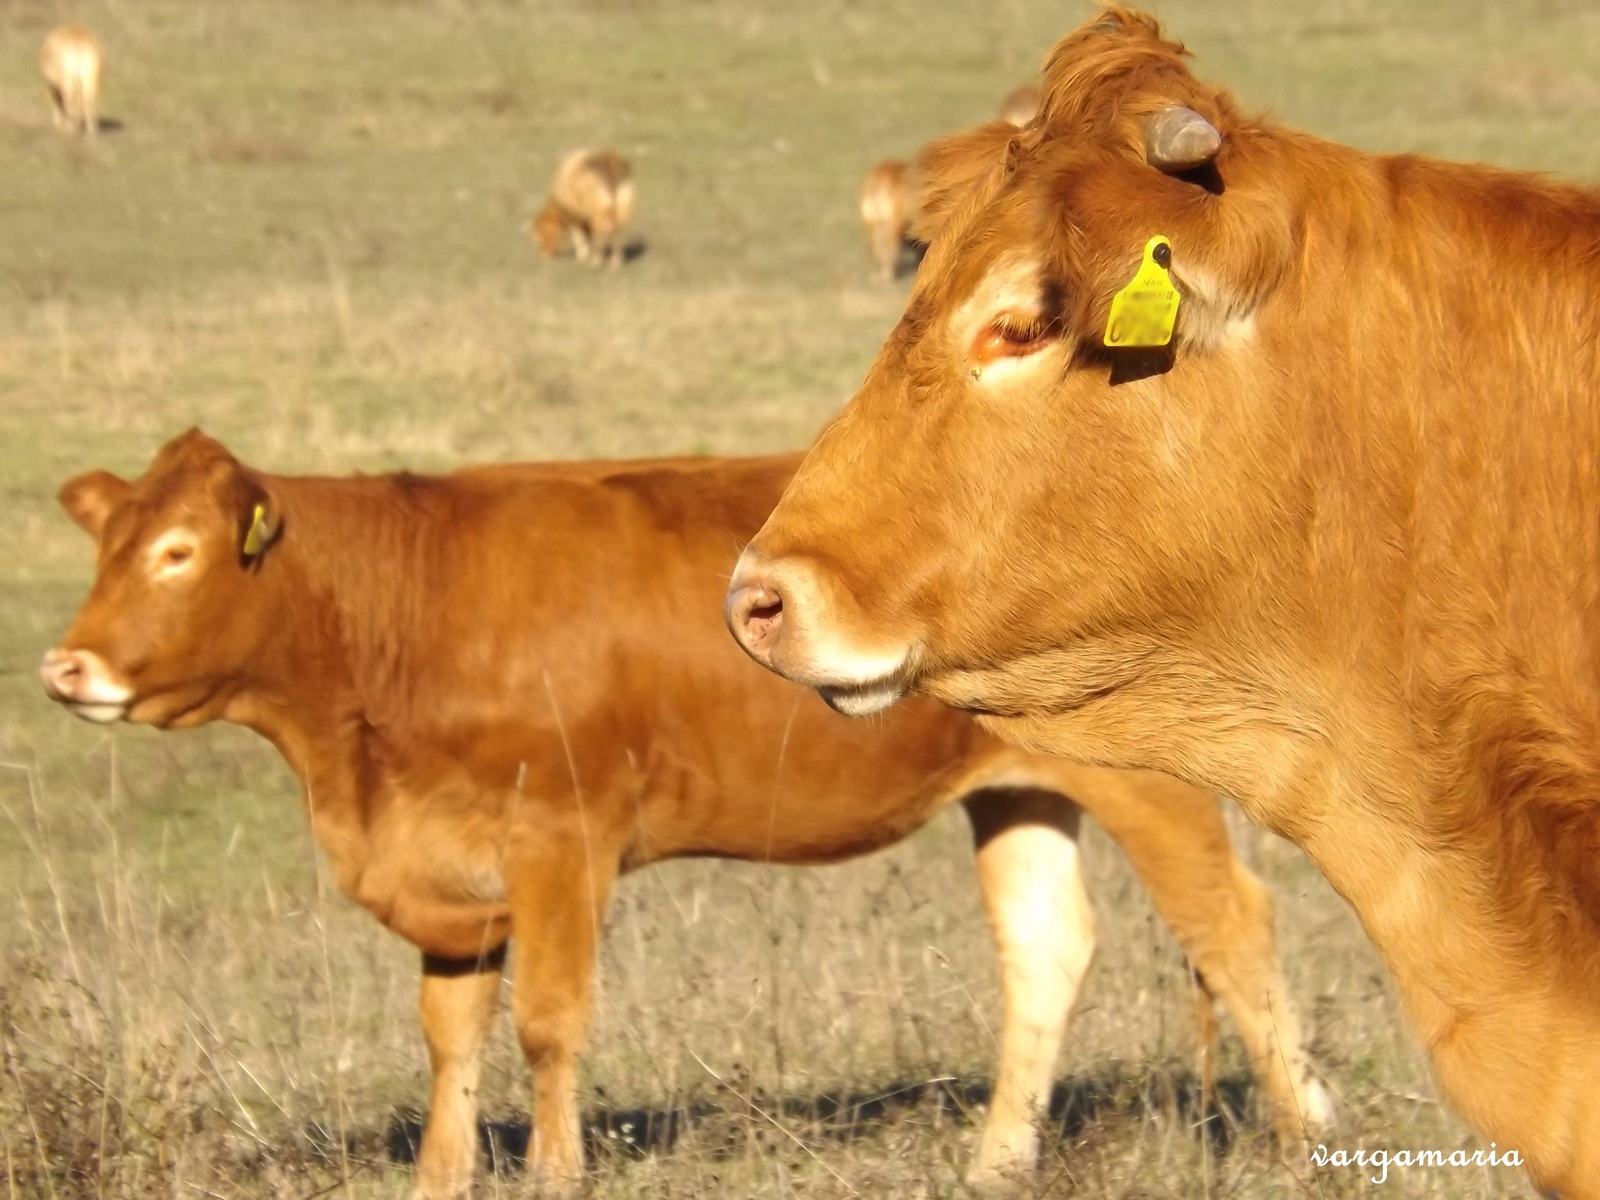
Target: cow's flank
[1334,549]
[500,688]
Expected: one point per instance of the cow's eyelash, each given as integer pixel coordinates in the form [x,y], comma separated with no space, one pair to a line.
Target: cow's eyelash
[1024,328]
[1015,327]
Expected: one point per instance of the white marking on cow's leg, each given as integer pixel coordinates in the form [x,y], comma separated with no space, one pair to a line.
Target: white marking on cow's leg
[1043,928]
[458,1005]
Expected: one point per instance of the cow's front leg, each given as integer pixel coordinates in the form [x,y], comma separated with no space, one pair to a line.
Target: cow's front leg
[460,998]
[558,892]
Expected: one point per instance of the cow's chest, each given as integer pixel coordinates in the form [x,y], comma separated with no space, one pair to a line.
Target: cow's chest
[431,870]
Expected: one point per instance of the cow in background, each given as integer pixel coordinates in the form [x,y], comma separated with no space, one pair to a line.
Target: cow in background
[70,61]
[591,202]
[1330,544]
[1020,105]
[507,685]
[886,215]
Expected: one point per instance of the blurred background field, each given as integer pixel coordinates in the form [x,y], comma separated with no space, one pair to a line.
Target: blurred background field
[306,231]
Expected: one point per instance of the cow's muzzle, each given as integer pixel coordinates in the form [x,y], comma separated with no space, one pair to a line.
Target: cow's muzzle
[780,617]
[82,681]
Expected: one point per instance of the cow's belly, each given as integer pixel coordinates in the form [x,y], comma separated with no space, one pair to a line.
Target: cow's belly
[437,881]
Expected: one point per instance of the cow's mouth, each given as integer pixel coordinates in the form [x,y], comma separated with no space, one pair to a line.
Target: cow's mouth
[863,700]
[100,714]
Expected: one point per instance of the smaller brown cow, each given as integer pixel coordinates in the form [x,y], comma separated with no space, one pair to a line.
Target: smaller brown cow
[505,686]
[886,215]
[70,61]
[1020,106]
[591,202]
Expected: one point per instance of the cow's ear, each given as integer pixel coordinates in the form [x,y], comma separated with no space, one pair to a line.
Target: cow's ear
[91,497]
[947,171]
[260,522]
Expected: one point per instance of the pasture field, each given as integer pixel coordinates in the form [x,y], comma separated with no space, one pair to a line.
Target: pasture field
[306,231]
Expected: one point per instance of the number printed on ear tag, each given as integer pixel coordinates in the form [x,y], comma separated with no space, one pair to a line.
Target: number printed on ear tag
[1143,312]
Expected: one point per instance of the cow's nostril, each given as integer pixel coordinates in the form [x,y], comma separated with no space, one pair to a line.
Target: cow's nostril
[755,615]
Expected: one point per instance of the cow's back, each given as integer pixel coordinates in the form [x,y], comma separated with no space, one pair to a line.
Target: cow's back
[595,185]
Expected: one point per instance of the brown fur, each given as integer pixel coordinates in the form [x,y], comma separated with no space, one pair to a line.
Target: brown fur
[1336,551]
[499,688]
[70,61]
[591,202]
[885,214]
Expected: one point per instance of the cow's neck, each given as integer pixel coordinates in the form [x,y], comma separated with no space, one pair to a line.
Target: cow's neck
[1453,590]
[314,696]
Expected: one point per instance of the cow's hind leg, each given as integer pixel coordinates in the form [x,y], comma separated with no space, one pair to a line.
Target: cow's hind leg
[1222,916]
[1032,884]
[460,998]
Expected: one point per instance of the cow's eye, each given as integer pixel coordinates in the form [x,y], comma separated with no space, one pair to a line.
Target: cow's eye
[1014,335]
[176,556]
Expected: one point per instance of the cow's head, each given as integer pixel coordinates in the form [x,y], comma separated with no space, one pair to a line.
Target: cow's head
[547,228]
[175,606]
[1009,515]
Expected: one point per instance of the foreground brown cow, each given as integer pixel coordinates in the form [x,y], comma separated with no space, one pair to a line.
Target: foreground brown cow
[70,61]
[886,215]
[591,202]
[1334,551]
[501,687]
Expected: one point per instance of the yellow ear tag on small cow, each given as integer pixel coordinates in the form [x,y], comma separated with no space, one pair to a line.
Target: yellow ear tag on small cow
[1143,312]
[255,541]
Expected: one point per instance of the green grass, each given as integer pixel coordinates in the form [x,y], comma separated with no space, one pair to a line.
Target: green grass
[307,234]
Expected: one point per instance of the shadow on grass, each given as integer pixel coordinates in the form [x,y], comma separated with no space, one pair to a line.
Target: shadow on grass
[720,1128]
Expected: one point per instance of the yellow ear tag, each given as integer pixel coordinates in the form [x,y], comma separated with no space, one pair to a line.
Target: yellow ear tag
[1143,312]
[255,541]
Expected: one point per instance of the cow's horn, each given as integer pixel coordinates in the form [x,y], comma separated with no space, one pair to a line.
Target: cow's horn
[1179,139]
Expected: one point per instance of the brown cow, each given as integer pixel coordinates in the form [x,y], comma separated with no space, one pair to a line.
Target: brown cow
[70,61]
[1334,550]
[1020,105]
[591,201]
[886,215]
[499,688]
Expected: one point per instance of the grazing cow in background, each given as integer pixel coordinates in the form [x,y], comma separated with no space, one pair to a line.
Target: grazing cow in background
[886,215]
[591,201]
[1020,106]
[1333,549]
[506,685]
[70,61]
